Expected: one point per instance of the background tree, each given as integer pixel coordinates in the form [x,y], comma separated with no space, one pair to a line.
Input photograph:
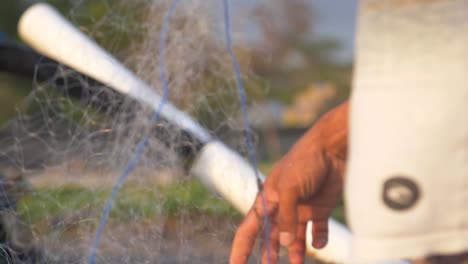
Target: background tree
[288,55]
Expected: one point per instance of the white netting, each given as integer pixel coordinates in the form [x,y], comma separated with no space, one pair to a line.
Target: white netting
[73,138]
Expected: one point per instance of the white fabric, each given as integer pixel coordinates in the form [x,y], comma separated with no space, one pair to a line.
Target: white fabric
[409,117]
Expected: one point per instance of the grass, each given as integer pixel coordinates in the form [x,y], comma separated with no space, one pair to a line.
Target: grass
[133,202]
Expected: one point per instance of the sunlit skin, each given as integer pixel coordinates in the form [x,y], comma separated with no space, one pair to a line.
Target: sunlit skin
[304,185]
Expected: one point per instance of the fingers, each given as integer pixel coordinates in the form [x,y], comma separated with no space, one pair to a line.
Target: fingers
[319,233]
[244,239]
[287,216]
[297,250]
[246,234]
[271,249]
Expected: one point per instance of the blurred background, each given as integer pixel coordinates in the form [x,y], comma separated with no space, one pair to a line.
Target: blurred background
[302,51]
[296,57]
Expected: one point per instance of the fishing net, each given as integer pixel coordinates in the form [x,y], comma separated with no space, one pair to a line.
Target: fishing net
[72,137]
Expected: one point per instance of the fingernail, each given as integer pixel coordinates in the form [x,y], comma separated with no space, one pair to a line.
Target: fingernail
[286,238]
[319,242]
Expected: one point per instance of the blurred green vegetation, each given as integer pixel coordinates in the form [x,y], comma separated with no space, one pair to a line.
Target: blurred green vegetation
[133,202]
[111,23]
[115,31]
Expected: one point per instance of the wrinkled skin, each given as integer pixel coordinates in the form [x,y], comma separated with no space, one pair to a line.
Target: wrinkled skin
[304,185]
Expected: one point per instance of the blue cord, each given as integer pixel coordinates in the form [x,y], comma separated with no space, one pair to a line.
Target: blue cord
[144,142]
[243,102]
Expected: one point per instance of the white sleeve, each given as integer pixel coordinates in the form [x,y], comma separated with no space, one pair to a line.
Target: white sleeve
[407,178]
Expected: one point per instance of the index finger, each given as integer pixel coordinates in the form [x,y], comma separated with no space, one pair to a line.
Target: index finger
[247,232]
[244,239]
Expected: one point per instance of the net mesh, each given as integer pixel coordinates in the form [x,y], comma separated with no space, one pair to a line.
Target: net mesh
[72,137]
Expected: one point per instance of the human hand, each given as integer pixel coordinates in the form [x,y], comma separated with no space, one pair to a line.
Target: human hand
[305,185]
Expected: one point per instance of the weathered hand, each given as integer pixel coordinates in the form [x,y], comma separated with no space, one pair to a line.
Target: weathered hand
[305,185]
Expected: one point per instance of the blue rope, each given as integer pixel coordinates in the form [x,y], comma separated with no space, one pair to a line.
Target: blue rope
[144,142]
[243,102]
